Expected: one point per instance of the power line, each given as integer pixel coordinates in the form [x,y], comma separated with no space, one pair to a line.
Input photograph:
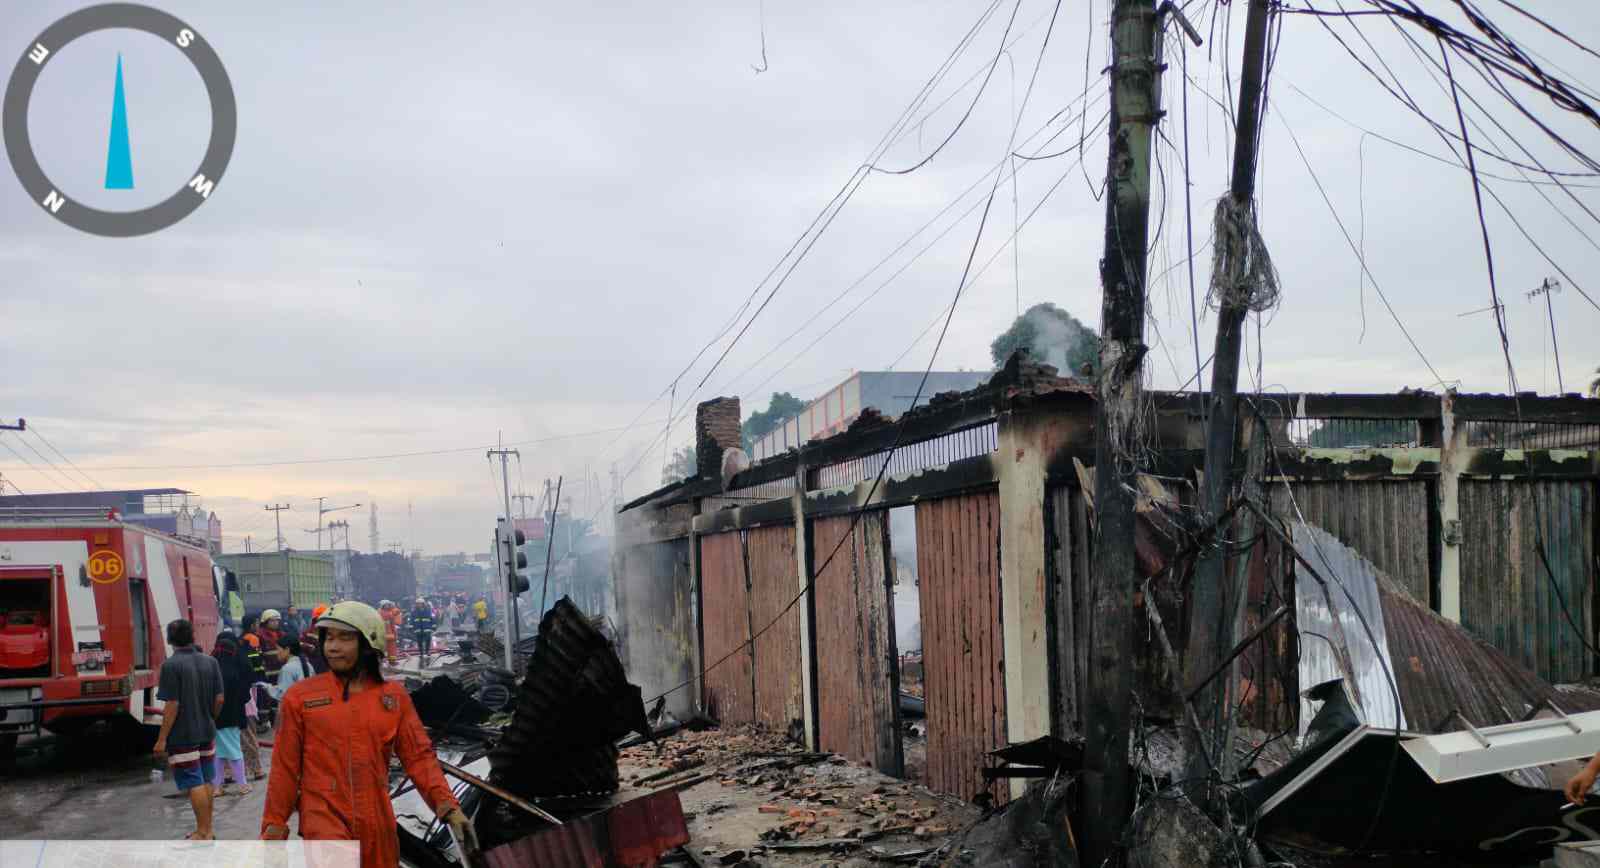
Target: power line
[24,460]
[897,131]
[1354,248]
[51,464]
[92,480]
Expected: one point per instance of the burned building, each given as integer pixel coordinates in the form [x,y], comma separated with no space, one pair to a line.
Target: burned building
[768,598]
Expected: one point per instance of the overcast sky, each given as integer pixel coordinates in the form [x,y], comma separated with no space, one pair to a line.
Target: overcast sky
[437,227]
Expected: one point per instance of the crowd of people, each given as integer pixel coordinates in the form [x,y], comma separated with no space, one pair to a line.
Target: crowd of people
[336,715]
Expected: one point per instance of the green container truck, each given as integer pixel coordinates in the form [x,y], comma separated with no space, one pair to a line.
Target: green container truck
[278,580]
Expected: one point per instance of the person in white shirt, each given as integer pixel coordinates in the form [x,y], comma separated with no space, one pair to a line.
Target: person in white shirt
[294,667]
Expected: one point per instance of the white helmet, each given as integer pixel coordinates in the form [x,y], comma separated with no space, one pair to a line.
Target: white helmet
[271,615]
[357,616]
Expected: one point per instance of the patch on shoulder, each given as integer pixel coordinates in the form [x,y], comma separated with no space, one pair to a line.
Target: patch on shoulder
[390,703]
[317,702]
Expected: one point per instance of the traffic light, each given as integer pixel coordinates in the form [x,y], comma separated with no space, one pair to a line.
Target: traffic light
[508,548]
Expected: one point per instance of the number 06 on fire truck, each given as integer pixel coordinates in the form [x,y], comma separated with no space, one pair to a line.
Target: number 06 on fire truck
[84,602]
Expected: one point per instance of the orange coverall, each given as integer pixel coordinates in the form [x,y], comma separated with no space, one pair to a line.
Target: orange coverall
[331,764]
[391,630]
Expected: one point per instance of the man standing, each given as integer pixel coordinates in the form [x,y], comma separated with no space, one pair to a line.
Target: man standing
[191,687]
[291,621]
[480,611]
[337,734]
[422,625]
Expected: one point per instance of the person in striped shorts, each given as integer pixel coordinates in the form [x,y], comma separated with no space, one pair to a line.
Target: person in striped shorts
[190,685]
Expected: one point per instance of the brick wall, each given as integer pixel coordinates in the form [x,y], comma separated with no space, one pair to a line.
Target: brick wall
[716,427]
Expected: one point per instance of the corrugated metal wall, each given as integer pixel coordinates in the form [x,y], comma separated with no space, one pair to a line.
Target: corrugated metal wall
[775,582]
[958,567]
[725,617]
[857,681]
[1506,595]
[1386,521]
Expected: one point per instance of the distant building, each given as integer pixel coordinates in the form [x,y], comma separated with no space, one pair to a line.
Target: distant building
[889,392]
[164,509]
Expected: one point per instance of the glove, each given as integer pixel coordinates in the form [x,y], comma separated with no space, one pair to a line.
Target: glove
[462,828]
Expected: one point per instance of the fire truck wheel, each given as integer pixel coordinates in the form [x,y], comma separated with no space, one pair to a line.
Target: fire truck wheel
[8,748]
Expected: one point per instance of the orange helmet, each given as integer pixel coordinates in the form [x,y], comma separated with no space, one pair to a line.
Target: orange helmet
[318,611]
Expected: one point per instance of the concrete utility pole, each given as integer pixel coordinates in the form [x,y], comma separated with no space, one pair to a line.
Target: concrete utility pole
[510,613]
[277,518]
[1216,605]
[1134,111]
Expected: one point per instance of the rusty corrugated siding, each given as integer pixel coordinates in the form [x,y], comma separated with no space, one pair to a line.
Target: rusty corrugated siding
[633,834]
[726,627]
[958,567]
[856,680]
[1385,520]
[775,582]
[1506,594]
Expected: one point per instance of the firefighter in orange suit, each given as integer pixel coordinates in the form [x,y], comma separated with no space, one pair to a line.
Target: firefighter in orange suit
[391,630]
[338,732]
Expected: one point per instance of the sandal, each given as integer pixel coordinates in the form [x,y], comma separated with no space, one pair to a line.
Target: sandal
[192,836]
[244,790]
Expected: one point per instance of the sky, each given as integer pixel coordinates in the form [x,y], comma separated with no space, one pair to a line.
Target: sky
[441,230]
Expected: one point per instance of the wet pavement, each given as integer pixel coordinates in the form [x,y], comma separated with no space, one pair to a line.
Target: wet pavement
[93,786]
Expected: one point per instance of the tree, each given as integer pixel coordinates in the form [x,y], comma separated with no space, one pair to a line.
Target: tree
[780,409]
[1052,336]
[680,467]
[1594,385]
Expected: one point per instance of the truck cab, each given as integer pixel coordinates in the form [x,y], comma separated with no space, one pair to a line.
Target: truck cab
[84,603]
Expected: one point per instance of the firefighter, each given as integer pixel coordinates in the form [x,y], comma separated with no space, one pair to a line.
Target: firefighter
[422,625]
[338,733]
[310,651]
[258,671]
[387,611]
[269,630]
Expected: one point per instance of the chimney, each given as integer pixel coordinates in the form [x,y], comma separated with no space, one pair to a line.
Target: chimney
[716,427]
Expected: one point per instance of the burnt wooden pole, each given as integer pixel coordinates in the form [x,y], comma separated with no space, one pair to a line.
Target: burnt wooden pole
[1108,783]
[1215,608]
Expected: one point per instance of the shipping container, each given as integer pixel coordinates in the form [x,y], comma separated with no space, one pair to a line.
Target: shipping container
[278,580]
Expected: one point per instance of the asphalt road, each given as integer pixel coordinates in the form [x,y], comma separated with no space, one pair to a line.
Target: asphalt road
[92,786]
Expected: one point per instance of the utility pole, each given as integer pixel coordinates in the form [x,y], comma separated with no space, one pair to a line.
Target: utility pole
[322,511]
[1134,111]
[1547,289]
[1218,605]
[277,519]
[510,612]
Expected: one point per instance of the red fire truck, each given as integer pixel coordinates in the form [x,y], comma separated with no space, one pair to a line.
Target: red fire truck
[84,603]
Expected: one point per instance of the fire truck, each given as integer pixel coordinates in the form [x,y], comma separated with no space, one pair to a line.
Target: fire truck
[84,602]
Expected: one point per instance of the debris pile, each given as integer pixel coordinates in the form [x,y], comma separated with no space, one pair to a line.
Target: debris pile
[571,708]
[753,798]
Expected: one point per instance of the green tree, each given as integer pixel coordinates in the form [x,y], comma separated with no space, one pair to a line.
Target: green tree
[1052,336]
[1594,385]
[680,467]
[782,407]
